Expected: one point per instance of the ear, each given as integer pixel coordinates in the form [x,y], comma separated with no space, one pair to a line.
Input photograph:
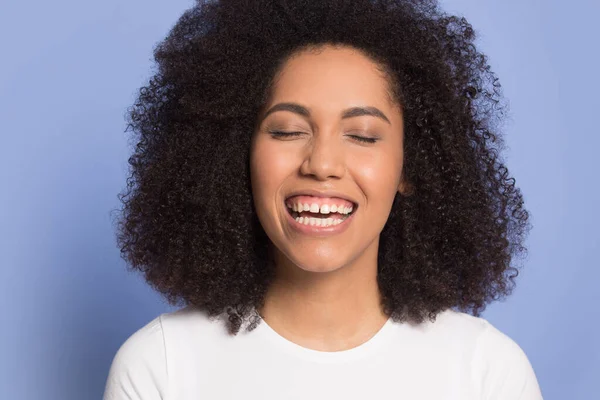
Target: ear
[405,188]
[402,187]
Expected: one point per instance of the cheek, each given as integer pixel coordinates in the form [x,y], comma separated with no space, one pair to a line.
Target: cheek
[378,177]
[268,168]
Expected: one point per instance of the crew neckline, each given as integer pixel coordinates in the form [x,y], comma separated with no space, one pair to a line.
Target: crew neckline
[370,347]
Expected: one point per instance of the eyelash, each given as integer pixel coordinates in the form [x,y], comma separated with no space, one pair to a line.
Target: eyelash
[359,138]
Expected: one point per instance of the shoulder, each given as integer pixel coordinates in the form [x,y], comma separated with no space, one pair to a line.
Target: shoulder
[144,363]
[191,329]
[139,368]
[501,369]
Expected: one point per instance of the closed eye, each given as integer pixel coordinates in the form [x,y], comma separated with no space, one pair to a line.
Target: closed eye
[283,134]
[287,134]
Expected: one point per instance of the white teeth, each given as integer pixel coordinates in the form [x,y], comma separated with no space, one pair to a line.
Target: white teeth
[319,221]
[324,209]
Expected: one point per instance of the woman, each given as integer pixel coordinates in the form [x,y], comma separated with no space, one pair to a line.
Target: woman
[329,172]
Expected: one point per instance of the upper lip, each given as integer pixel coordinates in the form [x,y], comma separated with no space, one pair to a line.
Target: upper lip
[321,193]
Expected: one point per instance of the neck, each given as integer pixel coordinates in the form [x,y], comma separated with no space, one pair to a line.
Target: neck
[327,311]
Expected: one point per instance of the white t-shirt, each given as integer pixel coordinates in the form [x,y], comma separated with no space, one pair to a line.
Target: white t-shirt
[182,355]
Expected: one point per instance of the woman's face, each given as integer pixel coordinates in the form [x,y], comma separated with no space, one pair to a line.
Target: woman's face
[316,91]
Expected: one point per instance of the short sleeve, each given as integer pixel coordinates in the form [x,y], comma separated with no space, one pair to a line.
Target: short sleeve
[503,369]
[139,369]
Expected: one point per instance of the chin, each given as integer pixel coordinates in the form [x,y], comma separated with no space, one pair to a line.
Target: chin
[320,269]
[317,263]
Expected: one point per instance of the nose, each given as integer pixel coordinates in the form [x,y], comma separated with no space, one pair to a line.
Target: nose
[325,158]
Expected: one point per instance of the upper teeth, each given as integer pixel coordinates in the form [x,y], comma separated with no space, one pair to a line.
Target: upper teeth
[324,209]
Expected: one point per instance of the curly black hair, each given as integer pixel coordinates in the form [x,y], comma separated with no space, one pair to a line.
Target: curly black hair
[188,220]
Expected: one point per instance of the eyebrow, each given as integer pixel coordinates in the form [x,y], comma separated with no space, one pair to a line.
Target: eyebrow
[347,113]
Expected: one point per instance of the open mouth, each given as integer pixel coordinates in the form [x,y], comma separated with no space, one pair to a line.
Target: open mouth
[323,213]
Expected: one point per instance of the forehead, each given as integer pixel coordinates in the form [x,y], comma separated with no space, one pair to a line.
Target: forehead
[331,77]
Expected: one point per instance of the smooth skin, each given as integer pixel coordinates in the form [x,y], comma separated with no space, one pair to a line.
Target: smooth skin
[325,295]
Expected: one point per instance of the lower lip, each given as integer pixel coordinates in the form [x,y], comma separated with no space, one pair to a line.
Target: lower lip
[320,230]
